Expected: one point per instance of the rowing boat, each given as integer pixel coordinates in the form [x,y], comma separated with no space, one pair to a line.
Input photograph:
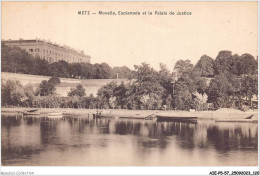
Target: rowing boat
[55,114]
[164,118]
[31,113]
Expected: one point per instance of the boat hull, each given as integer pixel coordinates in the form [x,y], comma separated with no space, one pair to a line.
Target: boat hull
[190,119]
[31,113]
[55,114]
[238,120]
[105,116]
[55,117]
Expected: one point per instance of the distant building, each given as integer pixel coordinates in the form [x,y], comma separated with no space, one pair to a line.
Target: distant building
[48,51]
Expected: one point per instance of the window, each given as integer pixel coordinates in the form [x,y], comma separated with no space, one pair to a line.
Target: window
[30,50]
[37,50]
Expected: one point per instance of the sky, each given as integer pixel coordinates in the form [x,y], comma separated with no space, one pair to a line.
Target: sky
[125,40]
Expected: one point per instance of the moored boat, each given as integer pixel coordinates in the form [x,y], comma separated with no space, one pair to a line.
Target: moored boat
[237,120]
[167,118]
[31,113]
[105,116]
[134,116]
[55,114]
[150,117]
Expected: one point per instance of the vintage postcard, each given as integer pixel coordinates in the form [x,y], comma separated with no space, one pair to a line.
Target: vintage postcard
[129,84]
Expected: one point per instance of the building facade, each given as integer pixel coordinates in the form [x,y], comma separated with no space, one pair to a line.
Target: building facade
[50,52]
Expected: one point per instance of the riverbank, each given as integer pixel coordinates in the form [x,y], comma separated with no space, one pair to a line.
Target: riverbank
[219,114]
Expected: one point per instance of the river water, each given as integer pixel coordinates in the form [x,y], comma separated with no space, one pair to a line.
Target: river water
[119,142]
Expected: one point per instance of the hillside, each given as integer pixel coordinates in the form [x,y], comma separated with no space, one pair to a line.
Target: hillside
[91,85]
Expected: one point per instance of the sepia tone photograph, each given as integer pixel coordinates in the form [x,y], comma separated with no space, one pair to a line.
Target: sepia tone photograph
[129,83]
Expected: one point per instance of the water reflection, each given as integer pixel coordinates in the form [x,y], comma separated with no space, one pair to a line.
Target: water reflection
[39,141]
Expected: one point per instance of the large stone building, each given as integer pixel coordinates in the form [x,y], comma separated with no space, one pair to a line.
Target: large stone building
[49,51]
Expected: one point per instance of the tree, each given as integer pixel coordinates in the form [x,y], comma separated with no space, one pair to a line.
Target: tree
[147,84]
[107,96]
[201,85]
[40,67]
[200,101]
[218,91]
[205,66]
[225,62]
[165,79]
[120,92]
[183,100]
[88,71]
[48,87]
[79,91]
[59,69]
[54,80]
[246,64]
[13,93]
[44,89]
[103,71]
[183,66]
[122,72]
[249,87]
[30,95]
[15,59]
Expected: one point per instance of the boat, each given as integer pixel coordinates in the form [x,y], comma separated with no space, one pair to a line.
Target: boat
[55,114]
[150,117]
[237,120]
[105,116]
[167,118]
[178,120]
[132,116]
[252,118]
[31,112]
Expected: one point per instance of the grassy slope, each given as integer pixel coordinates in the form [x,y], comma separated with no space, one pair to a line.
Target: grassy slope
[91,85]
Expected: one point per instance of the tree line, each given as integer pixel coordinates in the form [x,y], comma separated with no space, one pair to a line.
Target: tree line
[17,60]
[228,81]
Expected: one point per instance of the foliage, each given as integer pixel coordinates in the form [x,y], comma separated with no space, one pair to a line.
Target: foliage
[219,91]
[205,66]
[249,86]
[48,87]
[225,63]
[247,64]
[54,80]
[183,66]
[17,60]
[12,93]
[166,80]
[147,84]
[122,72]
[103,71]
[79,91]
[225,82]
[106,95]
